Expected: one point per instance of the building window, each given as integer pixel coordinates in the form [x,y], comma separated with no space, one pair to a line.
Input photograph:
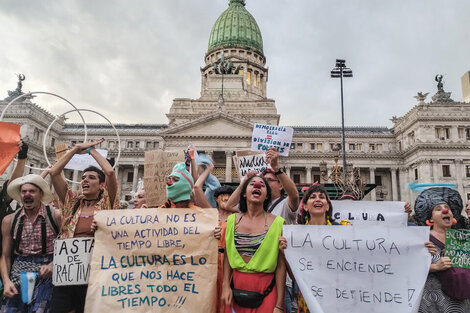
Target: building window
[446,170]
[379,147]
[292,146]
[316,178]
[378,180]
[372,147]
[467,170]
[130,144]
[156,145]
[312,146]
[335,146]
[130,177]
[137,144]
[319,146]
[299,146]
[111,144]
[74,142]
[352,147]
[468,197]
[148,145]
[416,174]
[52,142]
[297,178]
[442,133]
[248,78]
[467,133]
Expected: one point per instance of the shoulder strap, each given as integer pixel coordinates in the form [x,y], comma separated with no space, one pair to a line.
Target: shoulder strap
[271,208]
[19,233]
[51,219]
[14,220]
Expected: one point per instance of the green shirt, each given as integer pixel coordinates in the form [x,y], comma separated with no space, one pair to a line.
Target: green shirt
[265,258]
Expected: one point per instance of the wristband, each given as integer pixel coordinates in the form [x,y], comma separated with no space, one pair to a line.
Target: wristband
[279,308]
[89,149]
[278,172]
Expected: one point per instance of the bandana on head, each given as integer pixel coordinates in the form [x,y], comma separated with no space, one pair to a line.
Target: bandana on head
[429,198]
[180,190]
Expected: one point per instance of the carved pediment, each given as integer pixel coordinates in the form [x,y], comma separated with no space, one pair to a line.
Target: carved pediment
[216,124]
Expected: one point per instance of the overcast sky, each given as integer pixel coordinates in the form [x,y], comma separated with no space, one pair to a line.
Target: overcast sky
[129,59]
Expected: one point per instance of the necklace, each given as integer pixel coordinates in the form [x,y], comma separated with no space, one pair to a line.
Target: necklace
[89,202]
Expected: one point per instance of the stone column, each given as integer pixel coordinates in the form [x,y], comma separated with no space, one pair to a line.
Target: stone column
[75,178]
[435,171]
[210,154]
[403,182]
[288,171]
[135,178]
[459,172]
[411,178]
[228,166]
[393,173]
[116,172]
[373,196]
[308,176]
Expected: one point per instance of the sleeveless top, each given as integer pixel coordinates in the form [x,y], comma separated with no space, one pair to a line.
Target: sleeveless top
[265,258]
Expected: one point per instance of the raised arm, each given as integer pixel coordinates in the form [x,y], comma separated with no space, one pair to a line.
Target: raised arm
[235,196]
[272,158]
[111,180]
[18,171]
[199,195]
[58,180]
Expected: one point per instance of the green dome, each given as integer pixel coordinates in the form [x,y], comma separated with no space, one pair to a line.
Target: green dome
[236,27]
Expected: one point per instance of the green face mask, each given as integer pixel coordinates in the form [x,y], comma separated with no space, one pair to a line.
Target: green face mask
[180,190]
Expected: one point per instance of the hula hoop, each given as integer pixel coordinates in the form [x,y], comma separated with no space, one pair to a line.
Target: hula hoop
[44,141]
[78,110]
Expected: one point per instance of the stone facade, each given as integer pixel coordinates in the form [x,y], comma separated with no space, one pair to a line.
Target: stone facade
[428,144]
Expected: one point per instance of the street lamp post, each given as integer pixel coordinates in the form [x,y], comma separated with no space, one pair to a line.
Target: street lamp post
[341,71]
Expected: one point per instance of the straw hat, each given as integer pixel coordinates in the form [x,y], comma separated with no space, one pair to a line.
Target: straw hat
[15,186]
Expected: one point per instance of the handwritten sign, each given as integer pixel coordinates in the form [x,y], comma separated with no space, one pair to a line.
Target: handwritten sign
[267,136]
[365,269]
[158,165]
[9,138]
[154,260]
[72,261]
[458,247]
[246,161]
[359,212]
[80,162]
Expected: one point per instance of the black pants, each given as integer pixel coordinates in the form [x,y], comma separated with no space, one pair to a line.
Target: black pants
[68,298]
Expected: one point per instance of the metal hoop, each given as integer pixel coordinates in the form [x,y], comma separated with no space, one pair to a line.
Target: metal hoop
[87,110]
[45,136]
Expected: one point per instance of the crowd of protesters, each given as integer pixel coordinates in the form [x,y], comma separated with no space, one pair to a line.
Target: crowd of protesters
[253,275]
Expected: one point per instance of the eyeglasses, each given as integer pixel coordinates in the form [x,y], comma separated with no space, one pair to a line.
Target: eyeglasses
[270,180]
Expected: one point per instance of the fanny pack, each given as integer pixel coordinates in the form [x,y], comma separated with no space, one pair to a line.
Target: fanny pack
[251,299]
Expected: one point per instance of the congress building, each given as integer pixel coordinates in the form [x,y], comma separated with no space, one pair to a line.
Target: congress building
[429,144]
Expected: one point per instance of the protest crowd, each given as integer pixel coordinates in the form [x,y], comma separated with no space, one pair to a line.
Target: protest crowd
[254,272]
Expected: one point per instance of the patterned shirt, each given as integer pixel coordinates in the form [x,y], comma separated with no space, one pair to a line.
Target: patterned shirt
[31,243]
[70,220]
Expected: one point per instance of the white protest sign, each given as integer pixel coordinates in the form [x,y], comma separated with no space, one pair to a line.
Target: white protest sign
[72,261]
[358,212]
[267,136]
[80,162]
[246,161]
[364,269]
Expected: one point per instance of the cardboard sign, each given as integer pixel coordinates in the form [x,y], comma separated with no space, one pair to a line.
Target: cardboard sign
[158,165]
[80,162]
[60,151]
[154,260]
[458,247]
[364,269]
[9,138]
[72,261]
[267,136]
[359,212]
[246,161]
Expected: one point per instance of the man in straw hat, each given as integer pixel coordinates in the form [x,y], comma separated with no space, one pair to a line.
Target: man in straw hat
[28,245]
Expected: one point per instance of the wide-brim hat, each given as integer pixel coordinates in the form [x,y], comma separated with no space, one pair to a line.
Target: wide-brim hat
[15,186]
[429,198]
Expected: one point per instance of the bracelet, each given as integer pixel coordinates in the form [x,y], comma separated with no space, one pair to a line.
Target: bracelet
[279,308]
[89,149]
[278,171]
